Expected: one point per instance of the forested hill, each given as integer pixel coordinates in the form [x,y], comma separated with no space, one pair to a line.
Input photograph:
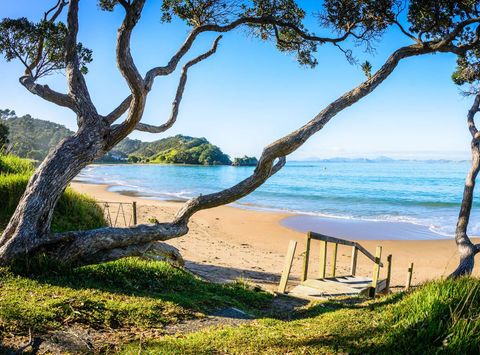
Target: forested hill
[181,150]
[33,138]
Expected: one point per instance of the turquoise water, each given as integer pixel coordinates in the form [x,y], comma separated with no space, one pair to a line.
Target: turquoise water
[424,193]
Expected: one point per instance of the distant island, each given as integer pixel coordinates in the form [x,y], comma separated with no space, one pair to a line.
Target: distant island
[245,161]
[33,138]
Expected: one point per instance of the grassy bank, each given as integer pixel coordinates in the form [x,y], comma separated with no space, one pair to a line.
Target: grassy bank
[74,211]
[439,317]
[129,295]
[140,298]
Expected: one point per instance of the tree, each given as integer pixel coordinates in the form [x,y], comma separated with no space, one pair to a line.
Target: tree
[3,136]
[4,131]
[434,26]
[468,72]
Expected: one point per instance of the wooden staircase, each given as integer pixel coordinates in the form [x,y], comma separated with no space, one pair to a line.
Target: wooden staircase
[334,286]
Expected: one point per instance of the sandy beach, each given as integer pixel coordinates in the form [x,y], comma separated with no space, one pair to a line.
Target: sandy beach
[227,243]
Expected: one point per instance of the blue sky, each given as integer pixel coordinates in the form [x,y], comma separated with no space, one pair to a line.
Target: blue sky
[248,94]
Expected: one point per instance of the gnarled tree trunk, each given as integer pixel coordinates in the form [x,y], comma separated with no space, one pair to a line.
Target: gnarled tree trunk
[466,248]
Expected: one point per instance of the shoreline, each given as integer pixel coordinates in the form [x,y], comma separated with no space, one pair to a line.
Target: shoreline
[336,226]
[226,243]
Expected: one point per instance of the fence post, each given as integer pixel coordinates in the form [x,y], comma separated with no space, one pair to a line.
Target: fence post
[306,256]
[353,266]
[323,259]
[334,259]
[376,271]
[287,266]
[134,212]
[389,273]
[409,277]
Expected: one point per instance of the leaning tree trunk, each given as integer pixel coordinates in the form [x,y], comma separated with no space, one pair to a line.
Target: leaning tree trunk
[32,219]
[466,248]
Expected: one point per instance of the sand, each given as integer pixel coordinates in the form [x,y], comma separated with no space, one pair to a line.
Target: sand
[227,243]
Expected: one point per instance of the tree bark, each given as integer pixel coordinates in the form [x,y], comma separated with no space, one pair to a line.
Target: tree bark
[465,247]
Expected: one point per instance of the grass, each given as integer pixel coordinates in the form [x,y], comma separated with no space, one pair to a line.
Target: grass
[74,211]
[442,316]
[129,293]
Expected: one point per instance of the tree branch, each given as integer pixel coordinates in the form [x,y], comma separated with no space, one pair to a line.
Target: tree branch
[179,95]
[471,117]
[288,144]
[131,74]
[76,82]
[265,20]
[48,94]
[119,110]
[58,8]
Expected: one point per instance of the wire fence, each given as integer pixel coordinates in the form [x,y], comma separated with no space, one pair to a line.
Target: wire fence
[119,214]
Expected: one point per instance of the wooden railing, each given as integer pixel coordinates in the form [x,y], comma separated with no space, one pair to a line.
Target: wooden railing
[325,239]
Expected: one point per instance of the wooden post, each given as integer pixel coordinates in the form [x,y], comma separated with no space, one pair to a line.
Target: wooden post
[334,259]
[353,266]
[306,256]
[323,259]
[134,212]
[287,267]
[389,273]
[376,271]
[409,276]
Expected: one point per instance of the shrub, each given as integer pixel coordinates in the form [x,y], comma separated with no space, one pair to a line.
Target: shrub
[74,211]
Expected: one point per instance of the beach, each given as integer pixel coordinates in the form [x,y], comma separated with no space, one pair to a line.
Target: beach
[229,243]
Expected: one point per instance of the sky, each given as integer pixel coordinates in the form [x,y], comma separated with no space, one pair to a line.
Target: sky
[248,94]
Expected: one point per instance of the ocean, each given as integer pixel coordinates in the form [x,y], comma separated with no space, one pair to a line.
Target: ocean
[422,193]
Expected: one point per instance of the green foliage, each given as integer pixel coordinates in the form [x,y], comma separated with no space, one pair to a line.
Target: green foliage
[372,16]
[3,136]
[441,316]
[367,69]
[11,164]
[126,293]
[22,39]
[181,150]
[74,211]
[435,18]
[245,161]
[33,138]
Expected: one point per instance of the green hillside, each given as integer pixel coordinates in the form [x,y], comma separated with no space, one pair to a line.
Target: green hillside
[181,150]
[33,138]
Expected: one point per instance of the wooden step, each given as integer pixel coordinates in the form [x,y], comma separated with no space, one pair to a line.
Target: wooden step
[335,287]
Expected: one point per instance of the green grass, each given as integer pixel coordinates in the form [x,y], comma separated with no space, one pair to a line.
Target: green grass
[442,316]
[74,211]
[11,164]
[126,293]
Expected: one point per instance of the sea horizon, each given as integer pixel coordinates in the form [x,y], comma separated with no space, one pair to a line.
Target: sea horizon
[421,193]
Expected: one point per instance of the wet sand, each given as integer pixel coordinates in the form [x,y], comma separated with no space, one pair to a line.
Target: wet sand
[227,243]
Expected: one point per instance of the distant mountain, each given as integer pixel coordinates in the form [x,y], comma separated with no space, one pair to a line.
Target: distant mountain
[33,138]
